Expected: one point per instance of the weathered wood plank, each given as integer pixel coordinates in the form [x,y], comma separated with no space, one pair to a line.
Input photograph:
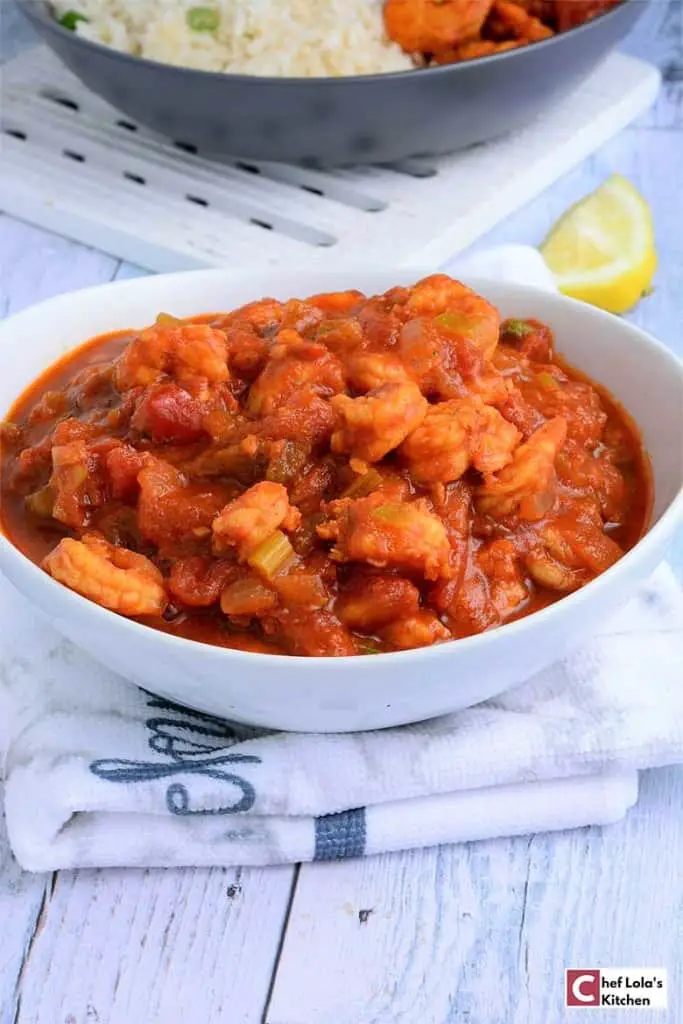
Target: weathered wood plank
[175,945]
[22,901]
[36,265]
[482,933]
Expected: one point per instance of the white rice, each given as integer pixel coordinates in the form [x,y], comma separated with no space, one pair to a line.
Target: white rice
[287,38]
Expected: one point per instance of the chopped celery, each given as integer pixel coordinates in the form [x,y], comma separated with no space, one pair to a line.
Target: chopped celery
[363,485]
[166,320]
[247,596]
[303,589]
[272,556]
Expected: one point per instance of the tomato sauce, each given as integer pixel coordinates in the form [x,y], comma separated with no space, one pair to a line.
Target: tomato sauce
[330,476]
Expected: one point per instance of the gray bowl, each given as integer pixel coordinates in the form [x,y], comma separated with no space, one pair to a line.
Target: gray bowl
[333,121]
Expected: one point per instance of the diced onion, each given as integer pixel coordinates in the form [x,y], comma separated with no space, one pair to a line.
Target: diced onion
[247,596]
[302,589]
[41,502]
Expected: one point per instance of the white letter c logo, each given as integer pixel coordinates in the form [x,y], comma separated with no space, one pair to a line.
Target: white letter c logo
[577,985]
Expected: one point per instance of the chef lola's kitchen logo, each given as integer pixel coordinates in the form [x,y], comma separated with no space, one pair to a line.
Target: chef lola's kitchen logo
[618,987]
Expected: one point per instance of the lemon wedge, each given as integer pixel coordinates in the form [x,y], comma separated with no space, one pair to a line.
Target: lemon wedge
[603,249]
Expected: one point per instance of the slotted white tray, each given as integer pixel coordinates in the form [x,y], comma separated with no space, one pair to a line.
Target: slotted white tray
[73,164]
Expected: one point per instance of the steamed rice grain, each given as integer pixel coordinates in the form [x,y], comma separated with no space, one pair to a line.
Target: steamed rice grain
[284,38]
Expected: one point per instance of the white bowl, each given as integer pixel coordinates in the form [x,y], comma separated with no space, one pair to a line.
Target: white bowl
[344,694]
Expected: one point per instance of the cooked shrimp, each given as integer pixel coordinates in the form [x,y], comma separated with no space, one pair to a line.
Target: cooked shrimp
[302,317]
[246,350]
[528,485]
[571,553]
[294,364]
[447,364]
[69,473]
[341,335]
[419,630]
[430,26]
[581,545]
[337,303]
[475,48]
[171,510]
[570,13]
[265,315]
[250,519]
[369,602]
[304,416]
[593,472]
[77,483]
[373,425]
[317,634]
[517,410]
[553,394]
[186,352]
[455,435]
[546,572]
[115,578]
[496,442]
[500,563]
[459,309]
[369,370]
[389,535]
[510,20]
[468,606]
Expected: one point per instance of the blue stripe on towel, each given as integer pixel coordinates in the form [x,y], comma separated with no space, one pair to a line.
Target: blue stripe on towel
[340,835]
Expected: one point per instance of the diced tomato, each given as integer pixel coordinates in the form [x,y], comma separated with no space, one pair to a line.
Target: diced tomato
[198,582]
[168,413]
[123,465]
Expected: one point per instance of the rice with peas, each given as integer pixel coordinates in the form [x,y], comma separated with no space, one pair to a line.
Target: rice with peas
[286,38]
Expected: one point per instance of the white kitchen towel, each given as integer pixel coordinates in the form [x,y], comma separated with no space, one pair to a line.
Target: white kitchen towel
[100,773]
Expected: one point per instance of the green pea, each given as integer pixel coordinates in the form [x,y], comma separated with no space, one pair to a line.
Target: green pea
[203,19]
[71,19]
[517,328]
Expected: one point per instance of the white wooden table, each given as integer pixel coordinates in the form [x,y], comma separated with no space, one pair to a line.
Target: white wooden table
[476,934]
